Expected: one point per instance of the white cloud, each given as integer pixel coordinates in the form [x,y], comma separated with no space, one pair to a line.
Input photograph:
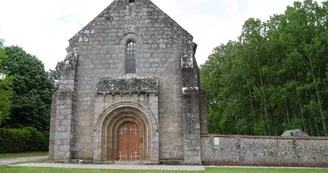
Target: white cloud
[43,27]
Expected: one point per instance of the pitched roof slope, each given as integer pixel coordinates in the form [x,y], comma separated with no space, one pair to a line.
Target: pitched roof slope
[144,10]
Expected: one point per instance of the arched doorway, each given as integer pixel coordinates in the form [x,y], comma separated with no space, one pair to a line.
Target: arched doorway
[120,130]
[126,133]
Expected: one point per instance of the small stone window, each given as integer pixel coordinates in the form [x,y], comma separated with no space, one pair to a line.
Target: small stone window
[130,57]
[132,1]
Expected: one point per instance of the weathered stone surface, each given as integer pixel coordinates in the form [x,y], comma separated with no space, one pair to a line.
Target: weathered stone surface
[189,90]
[128,85]
[71,60]
[188,56]
[52,126]
[264,151]
[95,81]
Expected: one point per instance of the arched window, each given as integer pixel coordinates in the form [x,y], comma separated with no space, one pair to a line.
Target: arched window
[130,57]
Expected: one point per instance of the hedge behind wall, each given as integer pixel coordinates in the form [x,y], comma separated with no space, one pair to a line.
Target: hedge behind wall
[23,140]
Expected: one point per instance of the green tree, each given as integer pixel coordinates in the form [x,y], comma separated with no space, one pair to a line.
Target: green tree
[6,91]
[33,89]
[274,77]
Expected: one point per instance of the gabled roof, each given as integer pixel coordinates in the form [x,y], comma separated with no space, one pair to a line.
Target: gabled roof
[117,4]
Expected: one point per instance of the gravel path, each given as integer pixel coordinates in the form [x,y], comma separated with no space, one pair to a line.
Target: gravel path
[116,167]
[21,159]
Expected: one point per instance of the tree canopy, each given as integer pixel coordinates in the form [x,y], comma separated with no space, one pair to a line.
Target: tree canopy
[31,103]
[274,77]
[56,73]
[6,91]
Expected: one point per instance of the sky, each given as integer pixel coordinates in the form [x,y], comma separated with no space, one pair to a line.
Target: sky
[43,27]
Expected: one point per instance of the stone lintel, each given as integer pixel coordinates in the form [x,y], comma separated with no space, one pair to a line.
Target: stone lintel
[130,85]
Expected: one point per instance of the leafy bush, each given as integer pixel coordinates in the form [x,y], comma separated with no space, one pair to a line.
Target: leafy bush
[22,140]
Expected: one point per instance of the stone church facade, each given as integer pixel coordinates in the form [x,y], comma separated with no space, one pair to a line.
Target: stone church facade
[129,91]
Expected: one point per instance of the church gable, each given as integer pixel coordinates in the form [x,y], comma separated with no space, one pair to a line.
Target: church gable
[142,17]
[130,71]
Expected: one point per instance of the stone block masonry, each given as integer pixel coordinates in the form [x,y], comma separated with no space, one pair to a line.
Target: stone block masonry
[97,93]
[264,151]
[62,128]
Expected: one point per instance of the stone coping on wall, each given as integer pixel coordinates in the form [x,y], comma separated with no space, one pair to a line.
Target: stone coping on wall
[129,84]
[266,137]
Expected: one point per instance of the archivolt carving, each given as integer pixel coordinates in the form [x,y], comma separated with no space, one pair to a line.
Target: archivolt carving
[106,129]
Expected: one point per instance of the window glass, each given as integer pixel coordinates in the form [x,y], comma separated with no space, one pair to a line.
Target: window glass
[131,57]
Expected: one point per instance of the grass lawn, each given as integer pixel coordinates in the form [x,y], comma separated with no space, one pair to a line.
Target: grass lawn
[30,154]
[6,169]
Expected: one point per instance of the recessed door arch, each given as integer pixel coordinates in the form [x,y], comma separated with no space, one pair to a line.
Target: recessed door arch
[111,134]
[106,133]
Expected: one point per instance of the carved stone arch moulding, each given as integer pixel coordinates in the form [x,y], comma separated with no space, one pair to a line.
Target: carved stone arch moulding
[108,123]
[130,36]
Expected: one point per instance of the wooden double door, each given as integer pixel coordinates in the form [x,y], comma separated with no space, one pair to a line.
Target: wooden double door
[128,142]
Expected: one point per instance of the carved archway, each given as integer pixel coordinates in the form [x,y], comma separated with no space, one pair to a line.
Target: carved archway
[105,148]
[110,138]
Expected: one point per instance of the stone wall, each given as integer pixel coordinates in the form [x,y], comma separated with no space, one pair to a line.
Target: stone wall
[191,106]
[264,151]
[52,137]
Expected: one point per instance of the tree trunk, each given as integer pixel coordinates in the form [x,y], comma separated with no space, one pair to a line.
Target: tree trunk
[318,97]
[287,113]
[264,100]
